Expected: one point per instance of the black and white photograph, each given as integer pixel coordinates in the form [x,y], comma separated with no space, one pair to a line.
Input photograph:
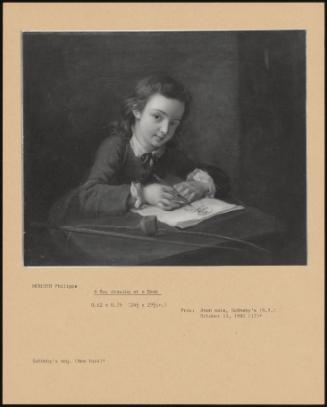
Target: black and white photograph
[164,203]
[179,148]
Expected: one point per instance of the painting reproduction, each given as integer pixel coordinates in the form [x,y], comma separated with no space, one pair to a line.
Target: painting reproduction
[164,148]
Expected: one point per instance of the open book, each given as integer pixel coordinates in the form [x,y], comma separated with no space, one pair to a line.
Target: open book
[191,214]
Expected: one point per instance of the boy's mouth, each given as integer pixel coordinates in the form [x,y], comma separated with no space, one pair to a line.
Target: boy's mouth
[159,138]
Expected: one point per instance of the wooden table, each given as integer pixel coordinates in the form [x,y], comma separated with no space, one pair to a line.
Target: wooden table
[89,244]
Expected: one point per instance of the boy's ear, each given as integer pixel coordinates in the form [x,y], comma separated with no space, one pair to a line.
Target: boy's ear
[136,113]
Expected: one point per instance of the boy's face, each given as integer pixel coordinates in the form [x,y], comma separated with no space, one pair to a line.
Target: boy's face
[157,122]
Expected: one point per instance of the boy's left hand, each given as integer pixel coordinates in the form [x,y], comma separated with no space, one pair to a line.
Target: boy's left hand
[191,190]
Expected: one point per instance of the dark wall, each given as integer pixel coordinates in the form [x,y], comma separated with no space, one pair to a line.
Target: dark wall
[74,84]
[272,122]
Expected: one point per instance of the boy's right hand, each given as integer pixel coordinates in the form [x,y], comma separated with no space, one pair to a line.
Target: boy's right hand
[160,195]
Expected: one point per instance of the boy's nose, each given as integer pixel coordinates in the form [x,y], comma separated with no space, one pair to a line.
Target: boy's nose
[164,128]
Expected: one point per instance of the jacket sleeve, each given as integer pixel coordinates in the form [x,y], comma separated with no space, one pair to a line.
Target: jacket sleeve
[102,193]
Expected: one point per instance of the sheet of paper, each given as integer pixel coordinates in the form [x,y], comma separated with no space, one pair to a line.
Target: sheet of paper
[190,215]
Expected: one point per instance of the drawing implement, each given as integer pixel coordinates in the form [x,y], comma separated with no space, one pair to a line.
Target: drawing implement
[178,195]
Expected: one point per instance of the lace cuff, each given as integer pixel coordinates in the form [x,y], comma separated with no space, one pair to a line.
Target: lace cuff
[205,179]
[136,191]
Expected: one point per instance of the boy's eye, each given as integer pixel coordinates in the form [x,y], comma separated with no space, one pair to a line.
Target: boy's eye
[158,117]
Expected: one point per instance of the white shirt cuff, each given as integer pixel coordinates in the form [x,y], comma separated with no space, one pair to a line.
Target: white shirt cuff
[136,191]
[205,179]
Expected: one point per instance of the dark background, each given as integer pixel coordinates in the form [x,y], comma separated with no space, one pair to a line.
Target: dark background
[248,112]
